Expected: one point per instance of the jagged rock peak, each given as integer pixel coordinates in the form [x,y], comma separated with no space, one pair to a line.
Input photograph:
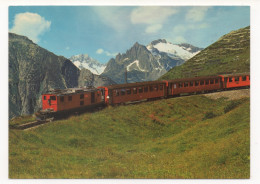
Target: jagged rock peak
[158,41]
[14,37]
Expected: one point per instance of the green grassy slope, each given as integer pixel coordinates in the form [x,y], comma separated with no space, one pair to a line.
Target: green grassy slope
[230,54]
[185,137]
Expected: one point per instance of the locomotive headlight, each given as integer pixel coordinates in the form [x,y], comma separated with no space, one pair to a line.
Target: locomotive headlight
[107,97]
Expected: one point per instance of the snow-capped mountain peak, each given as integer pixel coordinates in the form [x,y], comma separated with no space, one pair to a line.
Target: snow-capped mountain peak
[175,51]
[85,61]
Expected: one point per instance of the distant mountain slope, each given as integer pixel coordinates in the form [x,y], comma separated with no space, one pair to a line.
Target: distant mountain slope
[34,70]
[87,78]
[230,54]
[85,61]
[146,63]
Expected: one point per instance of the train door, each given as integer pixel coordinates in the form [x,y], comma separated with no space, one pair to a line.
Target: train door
[92,97]
[102,95]
[170,89]
[224,83]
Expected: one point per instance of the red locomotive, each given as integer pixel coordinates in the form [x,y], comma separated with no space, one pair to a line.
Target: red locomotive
[58,103]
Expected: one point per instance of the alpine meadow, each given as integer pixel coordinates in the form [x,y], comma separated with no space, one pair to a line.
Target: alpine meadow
[129,92]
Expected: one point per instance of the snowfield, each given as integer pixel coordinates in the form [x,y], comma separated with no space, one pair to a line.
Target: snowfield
[84,61]
[174,50]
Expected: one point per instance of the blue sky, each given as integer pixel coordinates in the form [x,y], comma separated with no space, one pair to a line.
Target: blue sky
[104,31]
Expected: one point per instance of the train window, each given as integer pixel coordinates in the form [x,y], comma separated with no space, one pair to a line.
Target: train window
[122,91]
[140,90]
[202,82]
[161,87]
[62,98]
[186,84]
[230,79]
[145,89]
[151,88]
[216,81]
[244,78]
[207,82]
[134,90]
[196,83]
[53,97]
[70,98]
[225,79]
[116,92]
[175,86]
[180,85]
[236,78]
[81,96]
[191,84]
[156,88]
[211,81]
[128,91]
[44,97]
[81,102]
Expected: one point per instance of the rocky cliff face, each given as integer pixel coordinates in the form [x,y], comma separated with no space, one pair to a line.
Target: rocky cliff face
[34,70]
[87,78]
[229,54]
[147,63]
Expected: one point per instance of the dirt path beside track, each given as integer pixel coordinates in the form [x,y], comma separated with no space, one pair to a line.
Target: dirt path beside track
[231,95]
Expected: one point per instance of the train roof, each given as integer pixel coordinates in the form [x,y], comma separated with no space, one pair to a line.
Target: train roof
[235,75]
[136,84]
[194,79]
[207,77]
[70,91]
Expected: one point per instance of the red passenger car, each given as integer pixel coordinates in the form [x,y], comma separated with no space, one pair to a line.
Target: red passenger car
[122,93]
[191,85]
[235,80]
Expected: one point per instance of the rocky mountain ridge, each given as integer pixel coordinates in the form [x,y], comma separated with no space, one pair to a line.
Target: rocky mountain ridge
[147,63]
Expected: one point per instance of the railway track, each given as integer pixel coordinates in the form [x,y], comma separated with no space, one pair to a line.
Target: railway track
[32,124]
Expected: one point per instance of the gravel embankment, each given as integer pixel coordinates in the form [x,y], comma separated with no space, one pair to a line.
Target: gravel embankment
[231,95]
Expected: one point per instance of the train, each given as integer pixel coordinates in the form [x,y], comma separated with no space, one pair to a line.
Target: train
[60,103]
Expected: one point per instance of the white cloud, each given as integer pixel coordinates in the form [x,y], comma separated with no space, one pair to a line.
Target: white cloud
[180,29]
[153,28]
[203,26]
[151,15]
[196,14]
[67,48]
[115,17]
[31,25]
[110,54]
[101,51]
[179,39]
